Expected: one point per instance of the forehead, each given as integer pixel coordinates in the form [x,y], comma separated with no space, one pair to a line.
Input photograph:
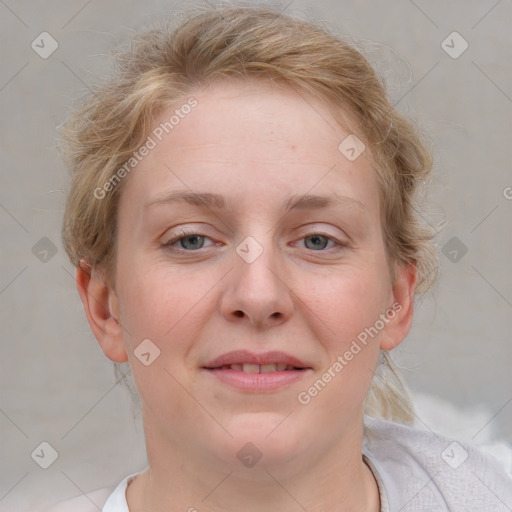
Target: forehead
[254,139]
[256,113]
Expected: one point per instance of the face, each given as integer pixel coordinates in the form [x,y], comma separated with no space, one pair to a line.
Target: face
[242,267]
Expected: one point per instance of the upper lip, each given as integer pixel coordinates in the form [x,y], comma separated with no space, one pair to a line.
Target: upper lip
[246,357]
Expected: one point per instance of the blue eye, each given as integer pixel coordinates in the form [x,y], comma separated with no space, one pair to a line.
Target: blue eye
[190,241]
[318,241]
[195,241]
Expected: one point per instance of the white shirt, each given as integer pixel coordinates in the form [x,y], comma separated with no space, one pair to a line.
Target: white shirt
[416,471]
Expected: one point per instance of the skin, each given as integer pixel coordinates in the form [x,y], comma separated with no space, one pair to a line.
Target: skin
[257,144]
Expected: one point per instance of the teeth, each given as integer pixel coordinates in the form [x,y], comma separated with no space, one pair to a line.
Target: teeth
[264,368]
[251,368]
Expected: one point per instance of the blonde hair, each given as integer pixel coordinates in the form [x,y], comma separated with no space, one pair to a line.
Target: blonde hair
[161,67]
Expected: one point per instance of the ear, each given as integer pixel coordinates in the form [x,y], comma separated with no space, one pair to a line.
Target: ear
[101,309]
[402,304]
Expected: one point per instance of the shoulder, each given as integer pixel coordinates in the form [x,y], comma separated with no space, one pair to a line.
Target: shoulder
[113,499]
[92,502]
[432,447]
[420,468]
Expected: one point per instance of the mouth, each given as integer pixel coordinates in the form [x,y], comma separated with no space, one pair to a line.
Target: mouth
[257,368]
[254,372]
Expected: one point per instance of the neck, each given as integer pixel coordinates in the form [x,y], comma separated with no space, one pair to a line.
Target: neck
[334,479]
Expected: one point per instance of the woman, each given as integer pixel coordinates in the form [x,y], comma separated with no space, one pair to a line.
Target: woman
[242,223]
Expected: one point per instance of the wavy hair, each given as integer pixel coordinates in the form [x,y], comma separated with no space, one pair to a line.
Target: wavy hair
[161,66]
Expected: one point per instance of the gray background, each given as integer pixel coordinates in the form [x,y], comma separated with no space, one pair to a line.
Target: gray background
[57,386]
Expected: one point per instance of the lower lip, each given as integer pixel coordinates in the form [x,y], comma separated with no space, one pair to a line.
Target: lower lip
[258,381]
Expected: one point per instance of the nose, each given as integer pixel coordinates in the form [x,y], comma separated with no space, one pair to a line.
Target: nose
[258,292]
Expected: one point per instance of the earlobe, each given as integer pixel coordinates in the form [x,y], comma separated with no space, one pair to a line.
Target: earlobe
[403,307]
[101,309]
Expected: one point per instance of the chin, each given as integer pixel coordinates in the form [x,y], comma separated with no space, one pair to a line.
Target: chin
[274,439]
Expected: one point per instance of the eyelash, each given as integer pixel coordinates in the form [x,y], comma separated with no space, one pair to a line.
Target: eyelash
[186,233]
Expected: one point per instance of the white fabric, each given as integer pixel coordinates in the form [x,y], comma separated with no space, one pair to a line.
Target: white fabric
[117,500]
[422,471]
[416,471]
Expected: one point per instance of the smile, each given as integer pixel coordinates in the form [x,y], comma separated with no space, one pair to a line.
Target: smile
[256,368]
[253,372]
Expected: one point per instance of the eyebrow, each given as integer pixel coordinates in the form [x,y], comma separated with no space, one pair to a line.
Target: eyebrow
[295,202]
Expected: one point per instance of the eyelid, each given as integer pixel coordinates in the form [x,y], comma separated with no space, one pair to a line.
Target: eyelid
[340,244]
[317,228]
[187,231]
[183,233]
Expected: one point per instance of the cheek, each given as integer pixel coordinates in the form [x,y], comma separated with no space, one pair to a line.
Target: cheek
[150,296]
[142,307]
[346,303]
[352,309]
[158,308]
[347,313]
[164,304]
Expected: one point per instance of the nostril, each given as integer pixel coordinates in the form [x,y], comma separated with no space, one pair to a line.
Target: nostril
[239,313]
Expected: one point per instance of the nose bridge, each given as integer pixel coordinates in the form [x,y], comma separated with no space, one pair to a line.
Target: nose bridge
[258,290]
[256,266]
